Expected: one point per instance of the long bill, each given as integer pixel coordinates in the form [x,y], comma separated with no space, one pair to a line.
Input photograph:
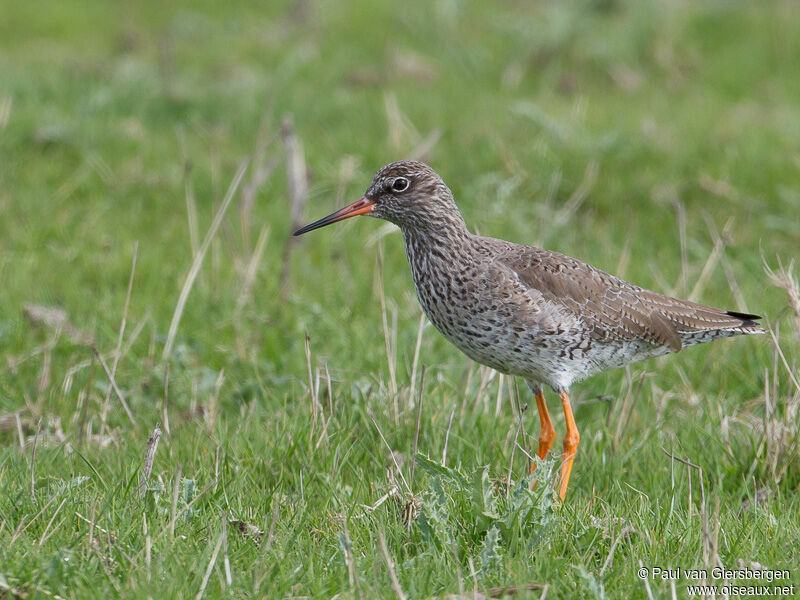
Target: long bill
[360,207]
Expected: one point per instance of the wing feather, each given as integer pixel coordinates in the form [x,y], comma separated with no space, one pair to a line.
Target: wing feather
[613,308]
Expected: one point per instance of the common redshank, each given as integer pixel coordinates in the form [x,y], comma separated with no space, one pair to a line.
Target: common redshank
[526,311]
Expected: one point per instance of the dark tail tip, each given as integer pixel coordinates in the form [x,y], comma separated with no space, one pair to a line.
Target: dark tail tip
[748,321]
[743,316]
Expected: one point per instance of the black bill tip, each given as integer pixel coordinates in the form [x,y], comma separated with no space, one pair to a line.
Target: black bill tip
[360,207]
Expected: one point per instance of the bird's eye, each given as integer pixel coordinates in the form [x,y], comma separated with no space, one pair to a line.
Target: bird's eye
[400,184]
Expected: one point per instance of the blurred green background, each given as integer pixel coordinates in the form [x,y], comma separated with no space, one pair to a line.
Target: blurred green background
[630,134]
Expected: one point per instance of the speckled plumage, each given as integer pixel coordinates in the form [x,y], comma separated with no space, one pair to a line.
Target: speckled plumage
[526,311]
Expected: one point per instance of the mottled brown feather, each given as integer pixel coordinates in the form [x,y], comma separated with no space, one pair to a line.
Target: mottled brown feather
[611,307]
[527,311]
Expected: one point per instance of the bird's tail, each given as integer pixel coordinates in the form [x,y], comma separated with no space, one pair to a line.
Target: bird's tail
[746,323]
[722,324]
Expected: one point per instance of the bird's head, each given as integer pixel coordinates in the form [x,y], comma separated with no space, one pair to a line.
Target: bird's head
[408,193]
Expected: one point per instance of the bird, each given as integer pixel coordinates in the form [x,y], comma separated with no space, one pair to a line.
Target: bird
[526,311]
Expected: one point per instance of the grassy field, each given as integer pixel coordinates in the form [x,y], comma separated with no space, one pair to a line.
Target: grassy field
[151,158]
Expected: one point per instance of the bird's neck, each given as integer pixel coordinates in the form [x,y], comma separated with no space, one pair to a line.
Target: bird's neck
[445,227]
[440,241]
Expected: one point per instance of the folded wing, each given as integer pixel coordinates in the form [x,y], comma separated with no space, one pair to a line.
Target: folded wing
[615,309]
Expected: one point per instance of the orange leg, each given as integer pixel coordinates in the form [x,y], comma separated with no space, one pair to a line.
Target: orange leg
[571,439]
[546,432]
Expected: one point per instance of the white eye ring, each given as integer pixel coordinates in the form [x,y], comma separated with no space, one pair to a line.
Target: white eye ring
[400,184]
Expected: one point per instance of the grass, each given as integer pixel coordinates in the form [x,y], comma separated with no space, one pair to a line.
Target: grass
[656,140]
